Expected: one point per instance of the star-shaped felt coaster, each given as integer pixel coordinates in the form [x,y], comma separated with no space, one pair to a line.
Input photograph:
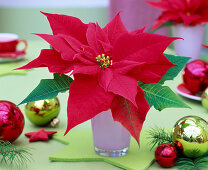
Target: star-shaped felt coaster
[40,135]
[80,149]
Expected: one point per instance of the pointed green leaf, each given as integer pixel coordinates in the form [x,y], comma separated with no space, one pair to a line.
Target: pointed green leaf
[161,97]
[49,88]
[173,72]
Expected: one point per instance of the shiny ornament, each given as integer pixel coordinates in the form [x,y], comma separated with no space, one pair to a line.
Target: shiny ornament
[195,76]
[42,112]
[11,121]
[166,155]
[192,133]
[178,147]
[205,99]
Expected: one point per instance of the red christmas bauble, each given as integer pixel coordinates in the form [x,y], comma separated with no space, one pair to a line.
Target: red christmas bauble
[195,76]
[179,147]
[166,155]
[11,121]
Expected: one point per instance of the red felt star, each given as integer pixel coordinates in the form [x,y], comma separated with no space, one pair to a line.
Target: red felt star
[40,135]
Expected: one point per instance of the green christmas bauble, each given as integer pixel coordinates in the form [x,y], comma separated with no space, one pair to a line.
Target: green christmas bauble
[204,100]
[192,133]
[43,111]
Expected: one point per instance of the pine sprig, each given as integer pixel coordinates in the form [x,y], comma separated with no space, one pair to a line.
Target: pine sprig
[200,163]
[159,136]
[13,155]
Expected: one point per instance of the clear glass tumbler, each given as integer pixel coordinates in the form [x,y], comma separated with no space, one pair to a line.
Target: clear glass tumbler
[110,138]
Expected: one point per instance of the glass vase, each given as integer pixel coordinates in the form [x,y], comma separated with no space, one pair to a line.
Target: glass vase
[193,38]
[132,14]
[110,138]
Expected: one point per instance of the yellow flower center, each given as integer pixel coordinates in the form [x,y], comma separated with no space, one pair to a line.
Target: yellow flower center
[188,13]
[104,61]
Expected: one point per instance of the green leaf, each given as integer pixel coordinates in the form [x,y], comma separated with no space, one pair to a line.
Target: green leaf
[49,88]
[161,97]
[173,72]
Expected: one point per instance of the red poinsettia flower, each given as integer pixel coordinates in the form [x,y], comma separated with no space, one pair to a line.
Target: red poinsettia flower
[206,46]
[106,64]
[189,12]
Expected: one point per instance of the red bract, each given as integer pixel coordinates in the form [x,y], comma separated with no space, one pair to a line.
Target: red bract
[206,46]
[106,64]
[189,12]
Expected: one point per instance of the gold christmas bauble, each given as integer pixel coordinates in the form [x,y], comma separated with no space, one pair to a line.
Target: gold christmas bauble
[192,133]
[204,100]
[42,112]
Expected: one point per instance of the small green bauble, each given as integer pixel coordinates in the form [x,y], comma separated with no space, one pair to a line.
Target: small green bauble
[192,133]
[43,111]
[205,99]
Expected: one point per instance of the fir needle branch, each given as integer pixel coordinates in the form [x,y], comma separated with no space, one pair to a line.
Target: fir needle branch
[13,155]
[159,136]
[200,163]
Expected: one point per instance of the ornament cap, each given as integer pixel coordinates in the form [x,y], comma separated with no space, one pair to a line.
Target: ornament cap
[55,122]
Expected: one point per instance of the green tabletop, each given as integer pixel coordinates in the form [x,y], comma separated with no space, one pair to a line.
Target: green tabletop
[15,87]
